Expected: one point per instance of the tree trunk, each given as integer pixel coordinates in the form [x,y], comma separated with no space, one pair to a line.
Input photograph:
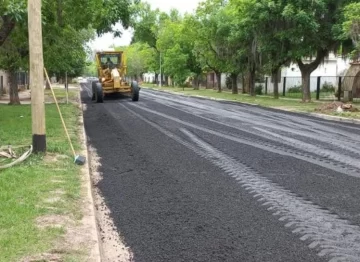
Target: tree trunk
[157,78]
[306,70]
[243,84]
[195,82]
[305,77]
[218,79]
[166,80]
[252,82]
[275,79]
[234,86]
[7,25]
[14,94]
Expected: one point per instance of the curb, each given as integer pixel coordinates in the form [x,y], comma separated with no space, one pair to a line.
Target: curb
[317,115]
[336,118]
[95,254]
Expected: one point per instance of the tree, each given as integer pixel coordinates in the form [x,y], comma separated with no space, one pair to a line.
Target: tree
[175,61]
[266,20]
[210,47]
[234,45]
[147,24]
[244,38]
[90,69]
[314,29]
[59,58]
[139,59]
[351,27]
[175,40]
[12,12]
[63,25]
[13,56]
[187,37]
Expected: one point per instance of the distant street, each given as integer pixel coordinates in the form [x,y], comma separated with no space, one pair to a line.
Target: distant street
[189,179]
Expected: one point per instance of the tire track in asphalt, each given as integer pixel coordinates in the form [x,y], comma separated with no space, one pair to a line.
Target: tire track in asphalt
[335,238]
[263,145]
[348,158]
[322,152]
[281,118]
[345,141]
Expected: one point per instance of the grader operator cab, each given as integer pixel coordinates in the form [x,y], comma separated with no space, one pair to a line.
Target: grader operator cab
[111,67]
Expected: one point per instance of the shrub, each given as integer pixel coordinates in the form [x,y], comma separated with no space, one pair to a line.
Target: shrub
[259,89]
[327,87]
[295,89]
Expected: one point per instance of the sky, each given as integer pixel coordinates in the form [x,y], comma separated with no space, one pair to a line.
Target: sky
[107,40]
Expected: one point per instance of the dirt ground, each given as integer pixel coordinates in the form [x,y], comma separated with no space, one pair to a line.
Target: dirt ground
[25,95]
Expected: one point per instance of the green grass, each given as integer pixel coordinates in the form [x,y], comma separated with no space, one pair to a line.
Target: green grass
[292,103]
[60,94]
[25,187]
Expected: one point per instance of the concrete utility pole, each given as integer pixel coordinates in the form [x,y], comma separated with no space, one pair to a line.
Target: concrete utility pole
[36,76]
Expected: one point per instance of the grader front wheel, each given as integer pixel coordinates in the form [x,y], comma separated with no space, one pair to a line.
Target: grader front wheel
[99,96]
[135,90]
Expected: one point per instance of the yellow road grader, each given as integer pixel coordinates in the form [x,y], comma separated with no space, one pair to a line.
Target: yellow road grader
[111,67]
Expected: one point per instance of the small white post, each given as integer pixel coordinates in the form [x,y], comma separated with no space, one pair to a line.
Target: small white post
[66,88]
[160,76]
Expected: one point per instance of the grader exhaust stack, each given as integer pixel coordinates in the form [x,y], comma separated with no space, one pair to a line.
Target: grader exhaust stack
[111,67]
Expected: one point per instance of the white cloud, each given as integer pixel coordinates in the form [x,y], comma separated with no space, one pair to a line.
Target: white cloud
[107,40]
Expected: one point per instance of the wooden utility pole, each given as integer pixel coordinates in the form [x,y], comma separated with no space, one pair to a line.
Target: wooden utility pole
[36,76]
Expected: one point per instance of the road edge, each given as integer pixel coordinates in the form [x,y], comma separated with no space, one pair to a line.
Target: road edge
[317,115]
[95,249]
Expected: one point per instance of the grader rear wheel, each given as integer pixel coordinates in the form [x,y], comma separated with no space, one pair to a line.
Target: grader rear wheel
[135,90]
[99,96]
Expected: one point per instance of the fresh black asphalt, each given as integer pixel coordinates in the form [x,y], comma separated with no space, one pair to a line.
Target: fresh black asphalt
[171,201]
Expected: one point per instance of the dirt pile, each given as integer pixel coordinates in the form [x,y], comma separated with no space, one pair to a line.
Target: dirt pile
[337,107]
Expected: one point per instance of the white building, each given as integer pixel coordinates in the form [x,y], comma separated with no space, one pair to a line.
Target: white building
[149,77]
[329,71]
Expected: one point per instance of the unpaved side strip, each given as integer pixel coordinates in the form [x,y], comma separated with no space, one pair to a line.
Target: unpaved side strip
[110,246]
[89,217]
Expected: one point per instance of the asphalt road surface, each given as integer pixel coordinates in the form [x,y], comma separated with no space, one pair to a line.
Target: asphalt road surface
[189,179]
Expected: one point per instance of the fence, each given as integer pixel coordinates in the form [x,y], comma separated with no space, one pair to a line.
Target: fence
[321,87]
[22,79]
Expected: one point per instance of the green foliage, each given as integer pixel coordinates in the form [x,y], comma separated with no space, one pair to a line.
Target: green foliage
[174,62]
[251,37]
[259,89]
[211,42]
[90,69]
[327,87]
[67,27]
[73,60]
[140,59]
[14,52]
[15,9]
[351,26]
[295,89]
